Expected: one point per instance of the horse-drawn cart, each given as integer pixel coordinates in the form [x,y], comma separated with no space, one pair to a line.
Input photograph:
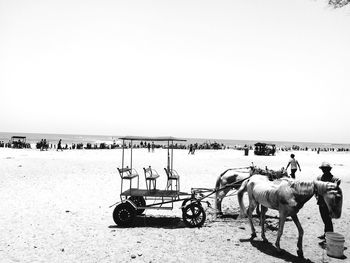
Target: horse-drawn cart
[134,201]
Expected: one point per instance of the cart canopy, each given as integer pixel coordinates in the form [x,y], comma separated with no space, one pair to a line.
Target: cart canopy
[21,138]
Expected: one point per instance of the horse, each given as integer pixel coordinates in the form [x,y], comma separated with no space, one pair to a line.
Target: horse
[287,196]
[226,182]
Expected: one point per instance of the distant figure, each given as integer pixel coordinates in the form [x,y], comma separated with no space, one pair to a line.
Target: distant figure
[41,145]
[59,146]
[325,177]
[294,164]
[191,149]
[246,150]
[153,146]
[46,146]
[149,147]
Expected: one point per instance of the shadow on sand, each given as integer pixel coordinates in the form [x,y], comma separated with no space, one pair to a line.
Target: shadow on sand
[156,222]
[269,249]
[230,216]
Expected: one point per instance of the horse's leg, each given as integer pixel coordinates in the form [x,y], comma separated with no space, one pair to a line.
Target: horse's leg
[262,222]
[240,193]
[252,205]
[218,199]
[282,220]
[257,210]
[258,213]
[300,238]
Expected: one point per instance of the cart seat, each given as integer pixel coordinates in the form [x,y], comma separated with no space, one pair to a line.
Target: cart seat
[151,176]
[128,174]
[172,175]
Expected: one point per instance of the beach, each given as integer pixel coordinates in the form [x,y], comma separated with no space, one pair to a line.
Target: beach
[56,208]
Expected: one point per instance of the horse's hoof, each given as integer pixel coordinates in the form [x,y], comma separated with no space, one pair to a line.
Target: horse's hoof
[253,236]
[300,253]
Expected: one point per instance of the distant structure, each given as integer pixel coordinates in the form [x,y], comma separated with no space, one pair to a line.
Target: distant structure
[19,142]
[264,149]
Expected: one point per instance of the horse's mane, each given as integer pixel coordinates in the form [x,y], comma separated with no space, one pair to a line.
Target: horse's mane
[302,187]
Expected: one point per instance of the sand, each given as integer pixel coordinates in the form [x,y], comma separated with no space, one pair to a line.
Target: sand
[55,207]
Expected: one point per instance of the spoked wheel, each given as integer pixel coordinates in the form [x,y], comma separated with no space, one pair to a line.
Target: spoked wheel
[186,202]
[193,215]
[138,201]
[124,214]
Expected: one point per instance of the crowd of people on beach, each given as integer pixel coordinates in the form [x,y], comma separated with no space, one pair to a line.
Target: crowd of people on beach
[15,144]
[43,144]
[314,149]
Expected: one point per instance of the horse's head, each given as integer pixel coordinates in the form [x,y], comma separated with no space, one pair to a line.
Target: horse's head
[334,199]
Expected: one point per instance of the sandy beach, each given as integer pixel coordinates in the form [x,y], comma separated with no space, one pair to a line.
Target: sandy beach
[56,208]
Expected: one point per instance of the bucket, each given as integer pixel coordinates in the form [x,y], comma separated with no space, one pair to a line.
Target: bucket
[335,244]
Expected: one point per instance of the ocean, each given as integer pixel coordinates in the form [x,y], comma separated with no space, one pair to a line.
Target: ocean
[69,139]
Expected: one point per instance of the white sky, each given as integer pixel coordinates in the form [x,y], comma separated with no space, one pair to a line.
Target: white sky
[258,69]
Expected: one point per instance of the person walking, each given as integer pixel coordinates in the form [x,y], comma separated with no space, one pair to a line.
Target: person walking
[191,149]
[59,146]
[325,177]
[294,164]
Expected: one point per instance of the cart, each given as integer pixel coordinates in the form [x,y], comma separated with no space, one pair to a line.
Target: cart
[134,201]
[19,142]
[264,149]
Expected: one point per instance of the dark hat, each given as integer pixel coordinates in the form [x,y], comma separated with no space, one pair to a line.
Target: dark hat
[325,165]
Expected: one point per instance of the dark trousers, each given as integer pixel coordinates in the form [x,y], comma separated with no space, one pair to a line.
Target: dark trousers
[292,173]
[327,220]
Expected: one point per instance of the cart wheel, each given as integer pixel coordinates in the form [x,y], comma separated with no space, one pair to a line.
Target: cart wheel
[187,202]
[193,215]
[124,214]
[138,201]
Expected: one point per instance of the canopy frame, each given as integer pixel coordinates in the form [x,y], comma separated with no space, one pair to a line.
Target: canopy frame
[170,142]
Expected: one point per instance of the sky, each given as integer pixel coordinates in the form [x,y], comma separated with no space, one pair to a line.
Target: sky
[273,70]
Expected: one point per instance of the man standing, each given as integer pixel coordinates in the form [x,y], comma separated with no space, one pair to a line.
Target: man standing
[294,164]
[325,177]
[59,146]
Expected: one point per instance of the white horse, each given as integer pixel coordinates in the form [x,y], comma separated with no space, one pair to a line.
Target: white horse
[287,196]
[233,180]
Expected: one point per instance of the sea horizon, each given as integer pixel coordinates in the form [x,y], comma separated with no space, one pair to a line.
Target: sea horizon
[109,139]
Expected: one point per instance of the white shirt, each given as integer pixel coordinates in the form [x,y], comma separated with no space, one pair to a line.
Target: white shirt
[293,164]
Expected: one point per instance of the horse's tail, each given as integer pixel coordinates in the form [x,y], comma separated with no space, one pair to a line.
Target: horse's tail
[240,193]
